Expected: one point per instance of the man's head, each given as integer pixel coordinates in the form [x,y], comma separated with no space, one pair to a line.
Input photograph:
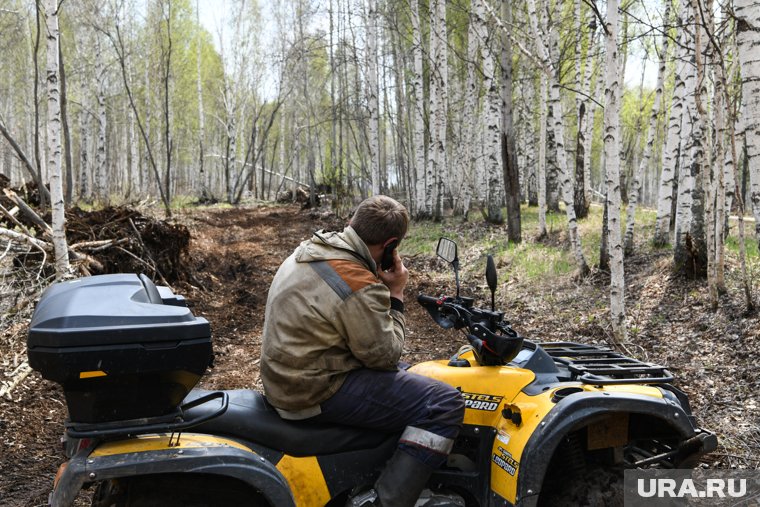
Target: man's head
[379,220]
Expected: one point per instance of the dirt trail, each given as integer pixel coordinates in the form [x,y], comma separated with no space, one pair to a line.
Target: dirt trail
[234,254]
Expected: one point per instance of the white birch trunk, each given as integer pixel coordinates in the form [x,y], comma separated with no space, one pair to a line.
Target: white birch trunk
[201,116]
[704,212]
[372,103]
[144,176]
[699,255]
[443,63]
[283,139]
[731,74]
[633,198]
[690,147]
[492,126]
[720,168]
[671,147]
[590,79]
[612,162]
[418,113]
[471,103]
[559,135]
[84,135]
[566,181]
[685,181]
[438,97]
[578,53]
[60,248]
[527,142]
[134,156]
[232,156]
[747,13]
[99,178]
[542,158]
[434,109]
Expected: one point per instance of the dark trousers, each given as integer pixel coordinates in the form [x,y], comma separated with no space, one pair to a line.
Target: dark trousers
[429,411]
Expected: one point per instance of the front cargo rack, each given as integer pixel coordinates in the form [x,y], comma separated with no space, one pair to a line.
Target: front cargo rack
[603,366]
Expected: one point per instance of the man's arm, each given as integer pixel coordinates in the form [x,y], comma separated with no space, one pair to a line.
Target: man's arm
[396,277]
[374,329]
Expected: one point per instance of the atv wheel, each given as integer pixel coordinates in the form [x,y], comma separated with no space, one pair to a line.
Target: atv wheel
[170,490]
[597,486]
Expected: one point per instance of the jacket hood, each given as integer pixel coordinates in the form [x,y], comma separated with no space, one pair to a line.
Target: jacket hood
[344,245]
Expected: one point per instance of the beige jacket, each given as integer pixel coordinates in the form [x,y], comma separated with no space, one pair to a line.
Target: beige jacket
[327,313]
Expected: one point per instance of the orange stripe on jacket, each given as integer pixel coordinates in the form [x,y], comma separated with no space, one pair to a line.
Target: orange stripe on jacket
[355,275]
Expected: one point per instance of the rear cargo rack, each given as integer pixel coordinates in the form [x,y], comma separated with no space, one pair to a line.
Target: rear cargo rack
[163,424]
[603,366]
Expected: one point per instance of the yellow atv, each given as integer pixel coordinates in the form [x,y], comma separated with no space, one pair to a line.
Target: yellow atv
[548,423]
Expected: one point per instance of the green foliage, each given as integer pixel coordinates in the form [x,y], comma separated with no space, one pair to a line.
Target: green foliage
[750,244]
[530,261]
[635,111]
[422,238]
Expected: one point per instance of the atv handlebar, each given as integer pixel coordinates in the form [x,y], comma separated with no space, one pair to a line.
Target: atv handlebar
[427,300]
[487,331]
[459,312]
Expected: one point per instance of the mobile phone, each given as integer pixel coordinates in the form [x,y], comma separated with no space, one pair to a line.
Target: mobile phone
[386,262]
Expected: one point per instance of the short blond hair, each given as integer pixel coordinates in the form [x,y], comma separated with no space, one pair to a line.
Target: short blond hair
[379,218]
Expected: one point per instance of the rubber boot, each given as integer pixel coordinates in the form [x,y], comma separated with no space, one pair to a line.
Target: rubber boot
[402,481]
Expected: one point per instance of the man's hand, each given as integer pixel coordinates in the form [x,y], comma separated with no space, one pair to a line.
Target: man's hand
[396,277]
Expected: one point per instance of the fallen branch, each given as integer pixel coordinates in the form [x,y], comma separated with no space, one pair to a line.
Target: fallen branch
[88,262]
[147,253]
[29,212]
[24,159]
[11,216]
[21,373]
[97,245]
[141,261]
[24,238]
[117,242]
[45,248]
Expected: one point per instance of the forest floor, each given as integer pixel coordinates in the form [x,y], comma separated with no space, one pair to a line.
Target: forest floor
[234,253]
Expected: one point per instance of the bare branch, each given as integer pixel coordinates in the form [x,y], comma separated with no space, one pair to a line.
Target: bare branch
[533,58]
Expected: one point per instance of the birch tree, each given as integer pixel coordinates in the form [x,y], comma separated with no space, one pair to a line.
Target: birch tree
[470,124]
[491,131]
[612,163]
[438,108]
[552,73]
[62,267]
[704,238]
[671,147]
[747,14]
[201,115]
[542,160]
[588,135]
[690,254]
[99,176]
[372,89]
[418,114]
[508,147]
[586,112]
[699,254]
[651,136]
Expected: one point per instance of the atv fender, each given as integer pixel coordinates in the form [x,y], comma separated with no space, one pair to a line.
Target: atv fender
[194,453]
[572,412]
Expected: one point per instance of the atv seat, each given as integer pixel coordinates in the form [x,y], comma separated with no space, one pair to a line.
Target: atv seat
[250,417]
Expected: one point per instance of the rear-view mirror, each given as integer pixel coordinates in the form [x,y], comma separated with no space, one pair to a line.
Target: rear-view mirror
[447,250]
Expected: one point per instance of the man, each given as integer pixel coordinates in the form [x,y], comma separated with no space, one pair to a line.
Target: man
[333,336]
